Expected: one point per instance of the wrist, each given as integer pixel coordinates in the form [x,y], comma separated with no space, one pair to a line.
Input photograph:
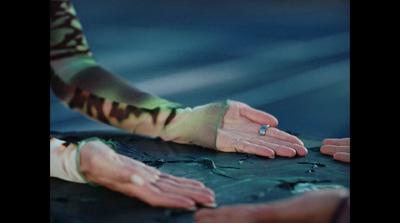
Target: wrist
[196,125]
[62,161]
[85,156]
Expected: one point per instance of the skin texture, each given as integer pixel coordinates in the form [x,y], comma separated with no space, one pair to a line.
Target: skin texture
[317,206]
[102,165]
[243,122]
[82,85]
[338,148]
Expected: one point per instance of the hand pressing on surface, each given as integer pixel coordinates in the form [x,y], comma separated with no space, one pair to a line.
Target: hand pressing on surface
[322,206]
[338,148]
[102,165]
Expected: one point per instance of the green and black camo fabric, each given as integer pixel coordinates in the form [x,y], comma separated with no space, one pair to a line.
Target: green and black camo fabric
[66,36]
[84,86]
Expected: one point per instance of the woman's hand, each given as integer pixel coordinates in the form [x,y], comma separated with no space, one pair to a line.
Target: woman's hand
[242,122]
[316,206]
[103,166]
[338,148]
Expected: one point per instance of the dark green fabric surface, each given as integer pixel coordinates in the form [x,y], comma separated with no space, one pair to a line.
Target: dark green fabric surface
[235,178]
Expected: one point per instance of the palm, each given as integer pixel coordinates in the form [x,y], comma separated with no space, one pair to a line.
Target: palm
[243,122]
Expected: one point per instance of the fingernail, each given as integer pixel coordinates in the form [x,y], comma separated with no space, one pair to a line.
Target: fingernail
[192,208]
[210,205]
[138,180]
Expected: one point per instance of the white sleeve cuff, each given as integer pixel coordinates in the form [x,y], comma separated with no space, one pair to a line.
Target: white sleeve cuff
[63,161]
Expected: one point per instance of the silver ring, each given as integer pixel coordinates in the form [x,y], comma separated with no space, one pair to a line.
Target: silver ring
[234,144]
[263,129]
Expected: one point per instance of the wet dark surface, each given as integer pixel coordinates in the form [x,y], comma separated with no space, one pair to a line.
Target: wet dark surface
[288,58]
[235,178]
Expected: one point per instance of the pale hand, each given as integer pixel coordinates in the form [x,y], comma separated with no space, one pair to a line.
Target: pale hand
[338,148]
[243,122]
[102,165]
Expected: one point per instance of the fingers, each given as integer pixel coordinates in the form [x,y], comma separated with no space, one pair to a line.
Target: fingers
[338,148]
[156,197]
[244,146]
[185,181]
[272,132]
[343,157]
[281,148]
[270,148]
[170,191]
[257,116]
[331,149]
[279,134]
[177,188]
[149,173]
[337,142]
[167,191]
[133,178]
[199,194]
[243,122]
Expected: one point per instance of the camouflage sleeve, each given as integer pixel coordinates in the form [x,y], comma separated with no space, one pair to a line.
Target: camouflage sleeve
[86,87]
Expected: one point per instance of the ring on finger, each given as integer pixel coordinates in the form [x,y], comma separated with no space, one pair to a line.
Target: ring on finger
[263,129]
[234,144]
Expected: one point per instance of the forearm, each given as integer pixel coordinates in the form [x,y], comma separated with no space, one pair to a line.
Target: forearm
[151,116]
[84,86]
[73,63]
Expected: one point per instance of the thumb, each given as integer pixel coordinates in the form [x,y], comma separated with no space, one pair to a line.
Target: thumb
[258,116]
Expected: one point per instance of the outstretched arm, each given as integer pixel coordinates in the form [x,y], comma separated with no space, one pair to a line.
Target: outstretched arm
[95,161]
[83,85]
